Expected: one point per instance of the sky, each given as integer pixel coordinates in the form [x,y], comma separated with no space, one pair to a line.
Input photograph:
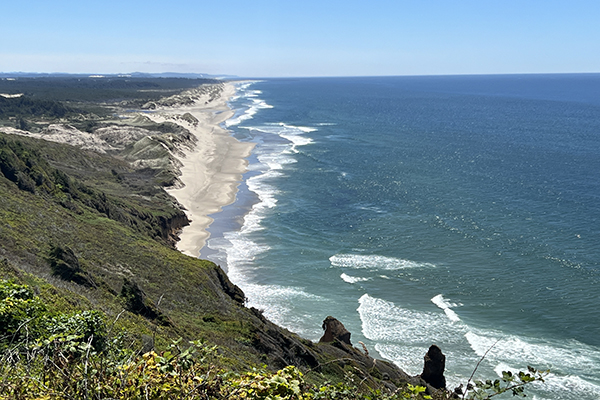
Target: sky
[269,38]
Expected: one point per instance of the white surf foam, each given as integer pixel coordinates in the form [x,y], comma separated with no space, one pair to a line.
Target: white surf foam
[353,279]
[403,336]
[569,362]
[384,321]
[568,387]
[305,129]
[557,387]
[374,262]
[278,304]
[276,146]
[249,113]
[252,103]
[570,355]
[293,134]
[366,206]
[446,306]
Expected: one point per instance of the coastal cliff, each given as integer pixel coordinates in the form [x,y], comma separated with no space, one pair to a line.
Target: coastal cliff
[65,236]
[85,220]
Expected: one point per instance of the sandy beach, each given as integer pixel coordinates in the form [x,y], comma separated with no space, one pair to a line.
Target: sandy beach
[212,170]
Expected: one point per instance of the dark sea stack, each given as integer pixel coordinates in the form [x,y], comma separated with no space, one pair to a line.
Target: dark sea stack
[335,330]
[433,370]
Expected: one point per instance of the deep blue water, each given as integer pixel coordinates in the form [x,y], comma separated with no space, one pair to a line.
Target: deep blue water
[457,210]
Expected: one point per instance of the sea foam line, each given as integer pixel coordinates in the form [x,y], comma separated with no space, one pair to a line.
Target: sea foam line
[254,105]
[545,353]
[353,279]
[293,134]
[375,262]
[242,247]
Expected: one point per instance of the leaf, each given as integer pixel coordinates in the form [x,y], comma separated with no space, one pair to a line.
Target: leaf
[507,376]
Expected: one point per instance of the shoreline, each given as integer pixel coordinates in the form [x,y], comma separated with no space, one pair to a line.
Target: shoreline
[211,171]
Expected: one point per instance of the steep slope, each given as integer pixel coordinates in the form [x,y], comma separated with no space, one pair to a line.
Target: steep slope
[101,232]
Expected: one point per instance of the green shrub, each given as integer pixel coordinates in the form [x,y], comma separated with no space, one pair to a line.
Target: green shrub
[287,383]
[21,313]
[24,320]
[84,327]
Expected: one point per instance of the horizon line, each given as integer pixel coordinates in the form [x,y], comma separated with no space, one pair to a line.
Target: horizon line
[231,76]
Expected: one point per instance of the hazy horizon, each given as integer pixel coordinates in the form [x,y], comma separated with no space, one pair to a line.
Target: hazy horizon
[200,75]
[309,39]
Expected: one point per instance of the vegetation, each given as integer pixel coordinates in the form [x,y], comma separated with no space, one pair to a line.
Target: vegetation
[83,101]
[32,172]
[72,356]
[27,107]
[95,90]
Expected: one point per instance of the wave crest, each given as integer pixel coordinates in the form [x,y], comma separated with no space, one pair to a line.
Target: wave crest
[375,262]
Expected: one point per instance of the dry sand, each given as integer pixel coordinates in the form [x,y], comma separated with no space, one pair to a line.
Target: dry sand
[211,171]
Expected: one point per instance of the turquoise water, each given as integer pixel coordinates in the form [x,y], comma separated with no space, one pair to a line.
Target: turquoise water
[461,211]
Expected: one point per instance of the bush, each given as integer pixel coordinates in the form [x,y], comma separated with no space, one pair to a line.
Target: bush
[21,314]
[84,327]
[25,321]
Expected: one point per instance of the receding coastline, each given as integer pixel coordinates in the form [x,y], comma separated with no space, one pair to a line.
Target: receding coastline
[210,171]
[87,233]
[208,165]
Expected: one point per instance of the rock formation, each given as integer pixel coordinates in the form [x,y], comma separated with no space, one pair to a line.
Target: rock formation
[137,302]
[433,370]
[334,329]
[335,345]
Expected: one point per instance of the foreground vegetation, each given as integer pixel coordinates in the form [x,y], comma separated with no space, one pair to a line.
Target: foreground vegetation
[75,356]
[96,303]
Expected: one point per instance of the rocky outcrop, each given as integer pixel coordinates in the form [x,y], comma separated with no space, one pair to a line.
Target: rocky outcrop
[433,370]
[335,345]
[280,348]
[229,288]
[170,226]
[335,330]
[136,301]
[65,265]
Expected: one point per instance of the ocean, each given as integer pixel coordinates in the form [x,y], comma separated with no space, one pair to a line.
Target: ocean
[457,210]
